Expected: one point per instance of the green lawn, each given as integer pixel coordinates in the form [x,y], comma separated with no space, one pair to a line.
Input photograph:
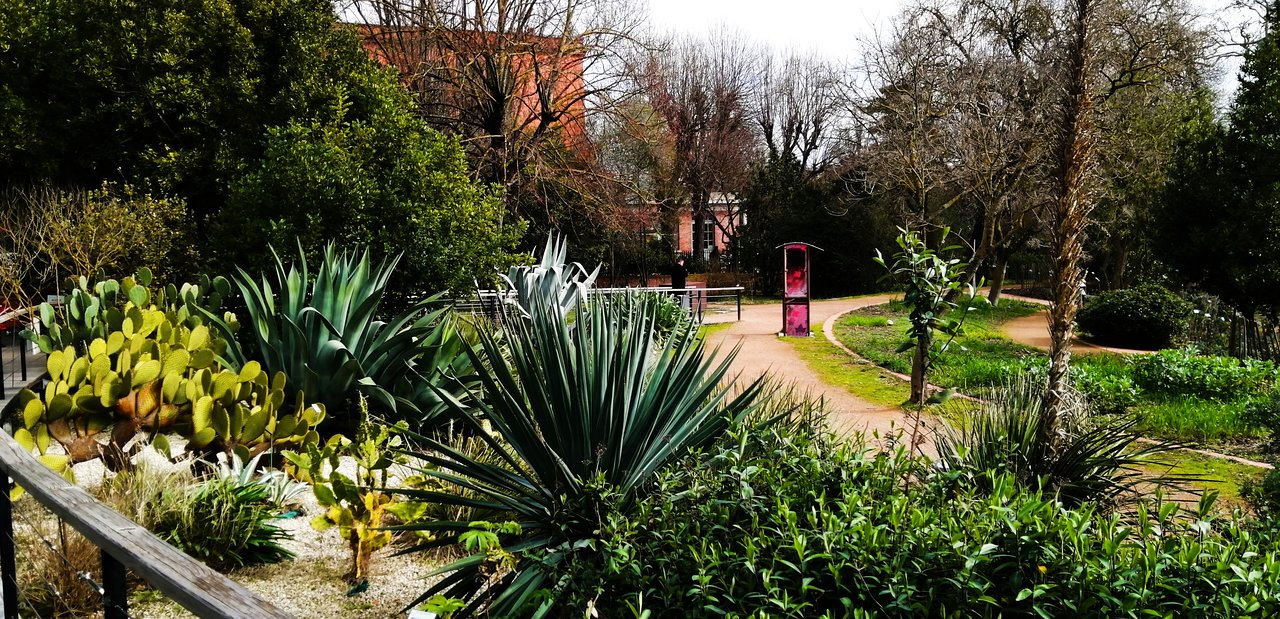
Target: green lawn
[834,367]
[984,359]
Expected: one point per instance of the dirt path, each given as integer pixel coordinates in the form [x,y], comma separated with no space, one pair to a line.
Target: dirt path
[1033,331]
[763,351]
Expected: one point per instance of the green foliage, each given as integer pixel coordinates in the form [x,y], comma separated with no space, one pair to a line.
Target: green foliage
[326,336]
[1220,226]
[1265,413]
[788,524]
[1093,460]
[241,534]
[280,489]
[931,282]
[670,320]
[94,312]
[1148,317]
[267,118]
[1183,372]
[390,184]
[1193,419]
[356,506]
[582,415]
[1264,495]
[784,202]
[130,365]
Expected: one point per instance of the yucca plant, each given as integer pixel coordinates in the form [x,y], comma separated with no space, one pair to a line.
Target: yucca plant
[581,414]
[325,335]
[1094,459]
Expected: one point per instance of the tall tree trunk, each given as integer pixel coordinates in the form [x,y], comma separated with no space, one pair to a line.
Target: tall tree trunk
[1071,212]
[919,369]
[998,267]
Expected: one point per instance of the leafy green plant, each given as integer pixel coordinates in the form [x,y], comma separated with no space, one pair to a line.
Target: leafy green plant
[242,533]
[281,490]
[330,343]
[804,524]
[1183,372]
[582,415]
[1147,317]
[1265,413]
[355,506]
[932,281]
[1095,460]
[670,319]
[1264,495]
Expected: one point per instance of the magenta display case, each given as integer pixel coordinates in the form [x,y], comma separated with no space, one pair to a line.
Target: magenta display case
[795,288]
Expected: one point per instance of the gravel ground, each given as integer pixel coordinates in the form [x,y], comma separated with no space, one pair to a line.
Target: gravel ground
[312,584]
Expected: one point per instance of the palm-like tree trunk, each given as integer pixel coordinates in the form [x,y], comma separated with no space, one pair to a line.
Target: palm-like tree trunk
[1071,212]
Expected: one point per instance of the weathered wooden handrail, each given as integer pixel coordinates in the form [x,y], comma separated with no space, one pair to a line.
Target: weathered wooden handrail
[190,583]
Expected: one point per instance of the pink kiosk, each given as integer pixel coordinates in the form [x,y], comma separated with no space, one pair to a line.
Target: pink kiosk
[795,288]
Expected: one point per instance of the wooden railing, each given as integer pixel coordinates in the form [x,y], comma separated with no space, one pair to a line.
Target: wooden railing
[124,546]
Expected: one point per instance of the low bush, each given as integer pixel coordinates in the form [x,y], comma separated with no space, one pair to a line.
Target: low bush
[1182,372]
[781,524]
[1089,459]
[1149,317]
[1264,413]
[221,523]
[1264,495]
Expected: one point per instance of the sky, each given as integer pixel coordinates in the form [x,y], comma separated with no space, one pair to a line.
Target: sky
[830,28]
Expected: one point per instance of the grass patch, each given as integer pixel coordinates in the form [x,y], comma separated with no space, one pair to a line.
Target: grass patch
[1225,476]
[705,331]
[974,362]
[1194,419]
[834,367]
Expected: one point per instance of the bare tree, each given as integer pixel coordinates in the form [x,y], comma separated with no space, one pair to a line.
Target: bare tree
[796,107]
[701,90]
[903,105]
[517,80]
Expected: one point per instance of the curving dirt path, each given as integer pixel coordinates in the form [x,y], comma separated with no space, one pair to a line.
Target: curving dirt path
[761,350]
[1033,331]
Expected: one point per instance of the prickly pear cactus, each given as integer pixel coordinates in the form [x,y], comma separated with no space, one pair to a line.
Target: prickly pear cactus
[131,363]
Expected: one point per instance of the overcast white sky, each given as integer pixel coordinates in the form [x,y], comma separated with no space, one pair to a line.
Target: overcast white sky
[829,27]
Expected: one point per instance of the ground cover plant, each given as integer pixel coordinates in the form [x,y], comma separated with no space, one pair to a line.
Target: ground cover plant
[790,522]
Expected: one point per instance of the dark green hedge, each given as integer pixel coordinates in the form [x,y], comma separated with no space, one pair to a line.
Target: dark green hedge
[1148,317]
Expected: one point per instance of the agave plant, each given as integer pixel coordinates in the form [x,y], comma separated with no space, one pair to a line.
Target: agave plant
[581,414]
[1094,459]
[551,281]
[331,345]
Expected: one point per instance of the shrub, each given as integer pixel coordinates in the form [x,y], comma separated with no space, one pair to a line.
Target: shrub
[583,414]
[782,524]
[1091,461]
[241,533]
[1183,372]
[1107,393]
[669,319]
[1265,413]
[325,335]
[1264,496]
[1148,317]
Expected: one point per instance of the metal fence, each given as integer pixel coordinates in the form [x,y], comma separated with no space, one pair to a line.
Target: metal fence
[699,301]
